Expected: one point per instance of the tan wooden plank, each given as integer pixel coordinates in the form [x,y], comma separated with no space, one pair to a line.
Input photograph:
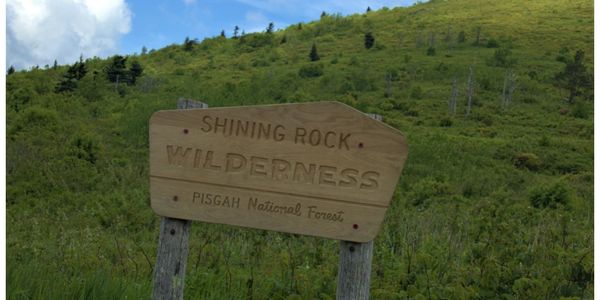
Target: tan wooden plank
[324,152]
[265,210]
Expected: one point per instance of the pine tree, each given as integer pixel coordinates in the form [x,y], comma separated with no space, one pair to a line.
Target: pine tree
[314,56]
[115,71]
[80,68]
[11,70]
[368,8]
[144,50]
[236,30]
[223,33]
[55,65]
[270,28]
[369,40]
[69,81]
[575,76]
[134,72]
[323,14]
[188,44]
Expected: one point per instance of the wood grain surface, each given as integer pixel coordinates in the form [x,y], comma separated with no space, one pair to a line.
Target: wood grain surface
[322,168]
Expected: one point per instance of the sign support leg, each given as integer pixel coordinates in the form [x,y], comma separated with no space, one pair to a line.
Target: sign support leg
[173,241]
[354,271]
[171,259]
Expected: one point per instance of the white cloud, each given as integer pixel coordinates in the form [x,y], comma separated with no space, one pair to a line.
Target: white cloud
[40,31]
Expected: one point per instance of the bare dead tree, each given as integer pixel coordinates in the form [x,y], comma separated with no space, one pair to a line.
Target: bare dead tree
[400,39]
[432,40]
[448,38]
[388,84]
[470,90]
[419,40]
[454,97]
[510,85]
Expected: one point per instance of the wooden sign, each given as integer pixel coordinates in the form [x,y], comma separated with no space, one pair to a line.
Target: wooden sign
[322,169]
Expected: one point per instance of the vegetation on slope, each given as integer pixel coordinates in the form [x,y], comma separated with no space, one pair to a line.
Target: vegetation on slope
[495,201]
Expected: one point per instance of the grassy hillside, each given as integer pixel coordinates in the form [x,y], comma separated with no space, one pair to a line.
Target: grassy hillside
[496,204]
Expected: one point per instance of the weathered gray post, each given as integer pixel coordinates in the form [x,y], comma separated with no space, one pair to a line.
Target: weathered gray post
[354,270]
[172,253]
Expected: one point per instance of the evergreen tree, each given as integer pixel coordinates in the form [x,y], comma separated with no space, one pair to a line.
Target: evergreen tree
[134,72]
[575,76]
[223,33]
[55,65]
[144,50]
[270,28]
[69,81]
[188,44]
[236,30]
[314,56]
[369,40]
[323,14]
[368,8]
[80,69]
[116,71]
[10,71]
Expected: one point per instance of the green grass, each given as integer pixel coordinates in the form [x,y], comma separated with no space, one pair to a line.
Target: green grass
[462,223]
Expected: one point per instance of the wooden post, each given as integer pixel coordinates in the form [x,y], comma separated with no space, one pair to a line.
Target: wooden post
[354,271]
[172,253]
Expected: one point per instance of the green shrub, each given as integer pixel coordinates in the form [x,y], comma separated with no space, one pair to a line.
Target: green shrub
[430,51]
[311,70]
[580,110]
[446,122]
[550,195]
[502,58]
[427,189]
[492,43]
[527,161]
[416,92]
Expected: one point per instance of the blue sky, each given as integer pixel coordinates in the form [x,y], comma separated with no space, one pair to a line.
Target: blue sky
[40,31]
[156,23]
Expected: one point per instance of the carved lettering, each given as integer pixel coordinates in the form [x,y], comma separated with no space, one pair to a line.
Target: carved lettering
[258,166]
[278,133]
[326,139]
[234,162]
[216,200]
[299,136]
[281,169]
[208,162]
[313,213]
[275,169]
[327,175]
[344,141]
[302,174]
[369,180]
[270,207]
[314,138]
[178,156]
[349,178]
